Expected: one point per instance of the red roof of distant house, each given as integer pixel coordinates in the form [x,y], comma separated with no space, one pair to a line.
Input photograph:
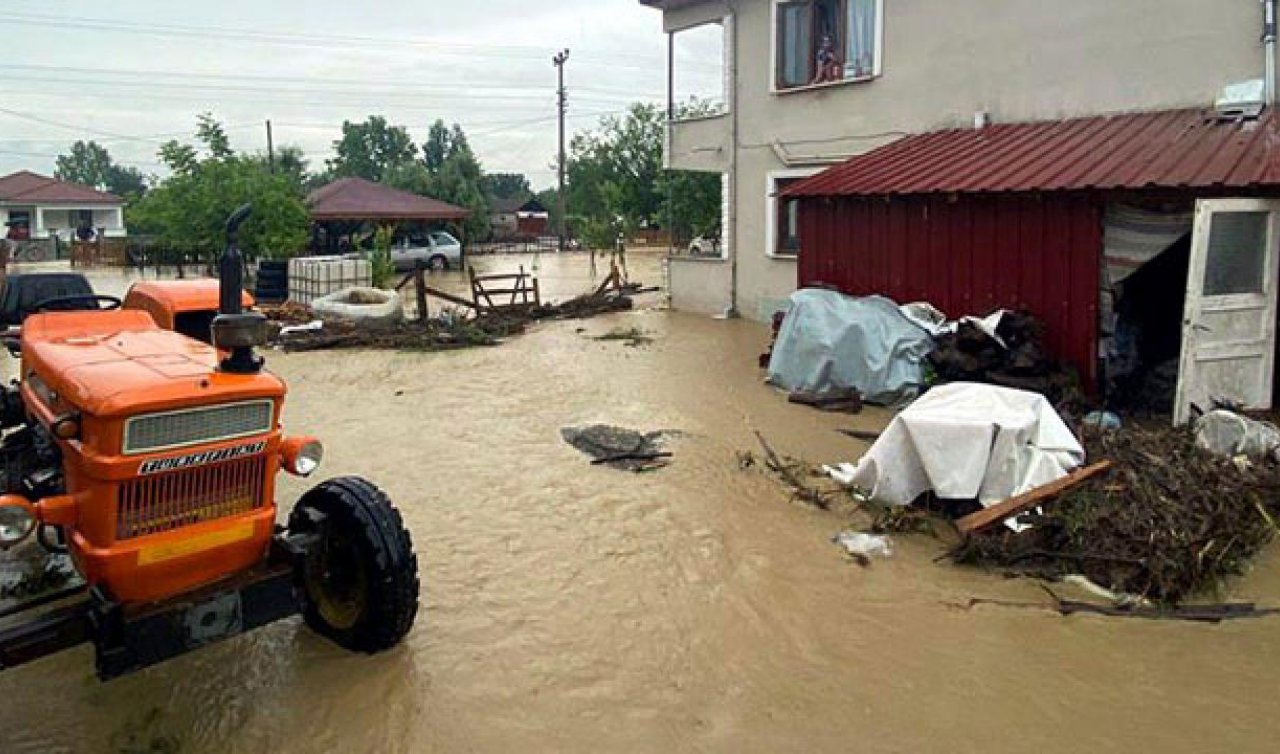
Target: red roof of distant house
[1175,149]
[31,188]
[358,199]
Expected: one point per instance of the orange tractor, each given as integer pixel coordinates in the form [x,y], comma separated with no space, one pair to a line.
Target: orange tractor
[151,458]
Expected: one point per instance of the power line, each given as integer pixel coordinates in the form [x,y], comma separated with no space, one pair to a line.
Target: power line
[273,81]
[315,41]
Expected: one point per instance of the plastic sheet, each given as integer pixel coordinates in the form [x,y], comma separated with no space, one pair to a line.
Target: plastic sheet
[830,341]
[966,441]
[1229,434]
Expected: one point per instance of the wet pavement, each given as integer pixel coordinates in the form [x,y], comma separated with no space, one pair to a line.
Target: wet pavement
[568,607]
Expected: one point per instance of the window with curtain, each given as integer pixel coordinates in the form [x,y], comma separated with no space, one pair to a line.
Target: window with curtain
[825,41]
[795,32]
[864,34]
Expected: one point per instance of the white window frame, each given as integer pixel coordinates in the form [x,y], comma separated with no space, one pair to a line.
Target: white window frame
[877,64]
[771,207]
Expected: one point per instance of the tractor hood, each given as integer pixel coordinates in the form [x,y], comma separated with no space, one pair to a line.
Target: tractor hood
[119,363]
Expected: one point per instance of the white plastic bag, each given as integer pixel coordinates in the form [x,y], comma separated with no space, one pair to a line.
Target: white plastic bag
[1229,434]
[863,544]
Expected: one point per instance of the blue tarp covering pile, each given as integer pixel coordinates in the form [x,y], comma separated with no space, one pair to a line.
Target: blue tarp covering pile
[831,341]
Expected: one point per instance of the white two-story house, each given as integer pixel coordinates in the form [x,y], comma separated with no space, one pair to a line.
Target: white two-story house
[810,83]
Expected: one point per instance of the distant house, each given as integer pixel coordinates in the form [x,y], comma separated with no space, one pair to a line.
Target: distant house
[35,207]
[518,216]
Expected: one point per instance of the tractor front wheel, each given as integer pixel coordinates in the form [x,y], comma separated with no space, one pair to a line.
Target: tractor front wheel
[360,575]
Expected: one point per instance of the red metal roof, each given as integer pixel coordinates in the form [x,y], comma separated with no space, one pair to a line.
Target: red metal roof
[358,199]
[1170,149]
[31,188]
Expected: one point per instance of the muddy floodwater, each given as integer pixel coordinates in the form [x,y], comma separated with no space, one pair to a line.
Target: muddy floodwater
[572,608]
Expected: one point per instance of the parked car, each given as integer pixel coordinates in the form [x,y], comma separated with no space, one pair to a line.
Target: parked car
[705,246]
[438,249]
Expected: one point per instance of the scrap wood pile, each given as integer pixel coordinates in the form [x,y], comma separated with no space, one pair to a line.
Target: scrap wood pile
[971,354]
[454,328]
[1168,521]
[437,334]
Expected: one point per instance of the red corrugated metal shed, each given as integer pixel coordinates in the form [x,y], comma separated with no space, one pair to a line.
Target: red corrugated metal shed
[970,256]
[1177,149]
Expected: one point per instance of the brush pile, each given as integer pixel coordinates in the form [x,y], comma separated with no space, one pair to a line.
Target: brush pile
[1169,521]
[455,328]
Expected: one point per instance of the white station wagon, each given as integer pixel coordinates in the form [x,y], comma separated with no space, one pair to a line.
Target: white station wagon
[438,250]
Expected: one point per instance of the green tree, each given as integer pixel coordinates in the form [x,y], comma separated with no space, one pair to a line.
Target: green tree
[506,186]
[188,210]
[214,137]
[614,174]
[371,149]
[178,157]
[290,162]
[87,163]
[90,164]
[615,181]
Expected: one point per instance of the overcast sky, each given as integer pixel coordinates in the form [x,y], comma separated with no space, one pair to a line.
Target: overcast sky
[134,73]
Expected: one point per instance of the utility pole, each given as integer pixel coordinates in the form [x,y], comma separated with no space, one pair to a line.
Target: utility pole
[561,105]
[271,150]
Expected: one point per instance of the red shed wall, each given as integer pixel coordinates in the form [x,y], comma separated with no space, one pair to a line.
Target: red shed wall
[969,255]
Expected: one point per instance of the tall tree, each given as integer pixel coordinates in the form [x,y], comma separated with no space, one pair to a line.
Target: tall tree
[90,163]
[506,185]
[614,174]
[616,181]
[178,157]
[370,149]
[87,163]
[437,146]
[211,133]
[188,210]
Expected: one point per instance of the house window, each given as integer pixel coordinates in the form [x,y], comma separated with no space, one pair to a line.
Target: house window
[784,218]
[826,41]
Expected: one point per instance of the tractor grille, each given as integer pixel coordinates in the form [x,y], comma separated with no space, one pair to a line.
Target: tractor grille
[164,502]
[177,429]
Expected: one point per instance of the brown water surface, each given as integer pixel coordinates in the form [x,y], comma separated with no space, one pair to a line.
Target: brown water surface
[575,608]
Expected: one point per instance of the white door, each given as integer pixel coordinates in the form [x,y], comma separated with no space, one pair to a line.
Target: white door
[1229,318]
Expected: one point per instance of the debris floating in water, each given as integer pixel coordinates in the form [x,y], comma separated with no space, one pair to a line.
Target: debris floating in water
[618,447]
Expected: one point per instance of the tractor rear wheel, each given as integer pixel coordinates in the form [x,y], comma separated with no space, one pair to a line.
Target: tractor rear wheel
[360,576]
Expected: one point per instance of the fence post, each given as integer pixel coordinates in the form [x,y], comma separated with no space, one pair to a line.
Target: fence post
[420,289]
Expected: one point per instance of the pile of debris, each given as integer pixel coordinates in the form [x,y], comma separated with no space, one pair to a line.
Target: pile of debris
[297,329]
[436,334]
[1169,521]
[620,448]
[1012,354]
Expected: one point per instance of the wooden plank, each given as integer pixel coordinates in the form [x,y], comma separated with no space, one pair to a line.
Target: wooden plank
[487,278]
[448,297]
[1019,504]
[503,291]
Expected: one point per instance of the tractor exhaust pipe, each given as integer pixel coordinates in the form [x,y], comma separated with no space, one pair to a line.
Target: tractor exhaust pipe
[235,331]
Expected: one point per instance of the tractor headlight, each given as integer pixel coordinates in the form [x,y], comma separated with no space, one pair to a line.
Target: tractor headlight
[301,456]
[17,520]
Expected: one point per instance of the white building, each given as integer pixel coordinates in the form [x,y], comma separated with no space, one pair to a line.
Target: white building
[34,207]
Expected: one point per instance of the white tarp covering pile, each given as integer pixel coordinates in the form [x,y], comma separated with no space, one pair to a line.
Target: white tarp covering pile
[966,441]
[831,341]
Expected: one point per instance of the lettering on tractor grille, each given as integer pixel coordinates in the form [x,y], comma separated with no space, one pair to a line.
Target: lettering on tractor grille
[195,426]
[163,502]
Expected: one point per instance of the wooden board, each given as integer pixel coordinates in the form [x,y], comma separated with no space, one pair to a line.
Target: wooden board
[1019,504]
